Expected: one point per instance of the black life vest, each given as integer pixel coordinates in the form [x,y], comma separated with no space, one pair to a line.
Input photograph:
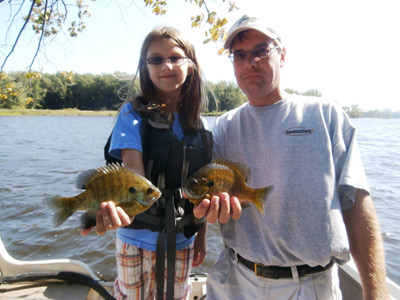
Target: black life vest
[168,162]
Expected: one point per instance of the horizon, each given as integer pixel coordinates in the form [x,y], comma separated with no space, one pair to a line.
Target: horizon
[361,68]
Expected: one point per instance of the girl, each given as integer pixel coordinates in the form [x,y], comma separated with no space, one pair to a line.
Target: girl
[160,134]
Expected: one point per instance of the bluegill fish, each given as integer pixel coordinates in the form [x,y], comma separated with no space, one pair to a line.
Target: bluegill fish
[225,176]
[131,191]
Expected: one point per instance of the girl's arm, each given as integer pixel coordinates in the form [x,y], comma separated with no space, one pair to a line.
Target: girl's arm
[133,160]
[200,246]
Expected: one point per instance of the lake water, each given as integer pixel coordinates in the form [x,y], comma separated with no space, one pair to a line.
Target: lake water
[41,156]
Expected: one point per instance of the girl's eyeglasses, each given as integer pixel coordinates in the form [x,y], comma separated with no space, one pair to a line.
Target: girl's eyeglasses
[173,60]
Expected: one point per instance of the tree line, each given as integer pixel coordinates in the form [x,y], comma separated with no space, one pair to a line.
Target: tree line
[64,90]
[355,111]
[92,92]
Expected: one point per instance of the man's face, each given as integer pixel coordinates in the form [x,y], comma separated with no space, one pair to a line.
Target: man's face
[259,78]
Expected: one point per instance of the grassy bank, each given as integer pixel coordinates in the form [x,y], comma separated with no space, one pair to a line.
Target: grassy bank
[64,112]
[55,112]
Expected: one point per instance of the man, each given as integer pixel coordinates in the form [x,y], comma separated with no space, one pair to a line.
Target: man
[320,210]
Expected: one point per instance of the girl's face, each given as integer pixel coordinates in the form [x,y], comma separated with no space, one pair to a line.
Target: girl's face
[168,76]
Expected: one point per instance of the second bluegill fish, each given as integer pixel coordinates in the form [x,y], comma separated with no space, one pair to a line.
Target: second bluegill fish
[225,176]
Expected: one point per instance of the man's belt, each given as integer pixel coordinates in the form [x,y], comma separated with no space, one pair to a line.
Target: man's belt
[281,272]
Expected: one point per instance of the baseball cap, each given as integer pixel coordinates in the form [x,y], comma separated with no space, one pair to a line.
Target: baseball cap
[246,23]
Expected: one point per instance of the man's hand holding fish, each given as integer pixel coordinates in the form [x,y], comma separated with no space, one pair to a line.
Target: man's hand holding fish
[211,186]
[219,208]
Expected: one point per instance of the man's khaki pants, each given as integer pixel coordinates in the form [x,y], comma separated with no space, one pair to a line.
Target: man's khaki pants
[230,280]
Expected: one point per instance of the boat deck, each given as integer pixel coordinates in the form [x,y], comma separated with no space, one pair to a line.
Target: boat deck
[62,279]
[38,291]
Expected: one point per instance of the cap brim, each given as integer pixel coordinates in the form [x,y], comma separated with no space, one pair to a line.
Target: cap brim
[231,35]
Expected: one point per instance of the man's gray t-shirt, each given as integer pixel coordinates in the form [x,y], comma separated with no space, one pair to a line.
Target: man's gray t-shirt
[306,148]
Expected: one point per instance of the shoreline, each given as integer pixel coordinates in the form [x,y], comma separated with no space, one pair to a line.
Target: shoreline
[66,112]
[55,112]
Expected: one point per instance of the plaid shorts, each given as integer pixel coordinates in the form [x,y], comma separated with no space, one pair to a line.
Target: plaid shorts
[136,272]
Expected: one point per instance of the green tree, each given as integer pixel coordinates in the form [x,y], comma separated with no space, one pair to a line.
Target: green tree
[313,92]
[55,92]
[35,93]
[103,92]
[354,111]
[13,92]
[80,92]
[228,95]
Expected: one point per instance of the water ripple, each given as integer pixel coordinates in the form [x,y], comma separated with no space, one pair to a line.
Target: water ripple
[46,159]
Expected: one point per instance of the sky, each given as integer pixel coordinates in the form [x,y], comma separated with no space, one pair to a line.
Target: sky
[349,50]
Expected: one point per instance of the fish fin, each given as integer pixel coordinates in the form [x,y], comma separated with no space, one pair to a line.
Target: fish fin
[87,176]
[88,220]
[261,197]
[59,210]
[83,178]
[238,167]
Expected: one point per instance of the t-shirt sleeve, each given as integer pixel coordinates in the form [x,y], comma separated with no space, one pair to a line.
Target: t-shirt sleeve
[349,166]
[127,132]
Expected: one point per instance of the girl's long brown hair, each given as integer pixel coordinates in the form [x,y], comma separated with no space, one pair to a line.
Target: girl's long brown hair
[193,96]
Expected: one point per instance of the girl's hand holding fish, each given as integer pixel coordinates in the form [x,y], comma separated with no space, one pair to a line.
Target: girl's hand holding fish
[219,208]
[110,193]
[109,217]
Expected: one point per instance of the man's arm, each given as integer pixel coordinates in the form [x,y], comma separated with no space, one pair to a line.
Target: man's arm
[366,246]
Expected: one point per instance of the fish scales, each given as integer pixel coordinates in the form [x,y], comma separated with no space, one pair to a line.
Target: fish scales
[126,189]
[105,186]
[225,176]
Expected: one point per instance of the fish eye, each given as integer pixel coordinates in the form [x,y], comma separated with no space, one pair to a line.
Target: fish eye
[150,190]
[132,189]
[210,184]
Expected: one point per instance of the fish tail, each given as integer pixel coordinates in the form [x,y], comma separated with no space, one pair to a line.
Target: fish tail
[261,197]
[60,208]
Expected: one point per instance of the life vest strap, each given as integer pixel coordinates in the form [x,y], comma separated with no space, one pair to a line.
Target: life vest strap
[169,230]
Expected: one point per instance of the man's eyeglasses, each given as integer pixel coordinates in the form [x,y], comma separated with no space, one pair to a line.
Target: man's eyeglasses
[173,60]
[261,52]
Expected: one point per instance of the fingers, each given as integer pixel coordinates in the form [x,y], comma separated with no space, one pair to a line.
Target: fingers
[199,254]
[213,210]
[236,208]
[195,262]
[220,209]
[225,208]
[201,210]
[109,217]
[207,208]
[123,217]
[86,231]
[100,227]
[198,258]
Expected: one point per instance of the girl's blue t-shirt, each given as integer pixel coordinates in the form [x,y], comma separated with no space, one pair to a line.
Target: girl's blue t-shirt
[127,135]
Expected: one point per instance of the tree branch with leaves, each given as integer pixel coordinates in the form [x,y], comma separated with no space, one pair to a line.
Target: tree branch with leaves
[48,17]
